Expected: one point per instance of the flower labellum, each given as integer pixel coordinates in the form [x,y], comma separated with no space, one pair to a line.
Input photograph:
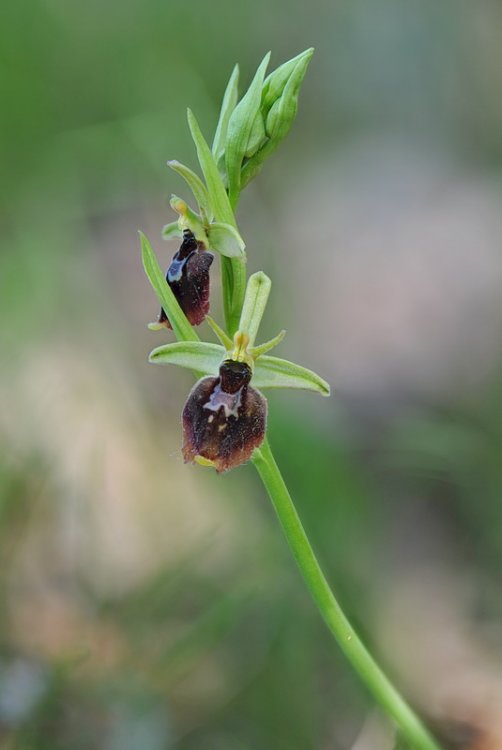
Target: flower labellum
[224,418]
[188,277]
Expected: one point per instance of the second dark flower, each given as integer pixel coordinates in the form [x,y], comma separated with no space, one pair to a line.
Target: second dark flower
[188,277]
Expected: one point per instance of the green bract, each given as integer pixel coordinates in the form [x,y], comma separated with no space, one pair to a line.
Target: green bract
[181,327]
[240,129]
[227,107]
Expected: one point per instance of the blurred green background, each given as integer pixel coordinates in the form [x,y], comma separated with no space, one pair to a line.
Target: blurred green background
[145,605]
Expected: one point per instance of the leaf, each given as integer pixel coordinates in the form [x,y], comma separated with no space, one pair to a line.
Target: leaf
[239,129]
[172,231]
[181,327]
[273,372]
[201,356]
[195,184]
[226,240]
[227,107]
[221,204]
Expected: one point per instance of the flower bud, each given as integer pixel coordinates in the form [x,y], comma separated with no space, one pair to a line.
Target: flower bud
[224,418]
[188,277]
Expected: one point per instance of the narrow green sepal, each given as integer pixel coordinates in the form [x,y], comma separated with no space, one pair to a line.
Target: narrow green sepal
[201,356]
[224,339]
[181,327]
[227,107]
[196,185]
[239,129]
[257,351]
[272,372]
[226,240]
[172,231]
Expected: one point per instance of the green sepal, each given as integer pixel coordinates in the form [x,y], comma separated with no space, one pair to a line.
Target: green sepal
[239,130]
[272,372]
[269,372]
[255,301]
[226,240]
[196,185]
[201,356]
[172,231]
[181,327]
[227,107]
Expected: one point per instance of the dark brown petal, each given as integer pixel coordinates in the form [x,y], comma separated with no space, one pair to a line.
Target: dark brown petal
[223,427]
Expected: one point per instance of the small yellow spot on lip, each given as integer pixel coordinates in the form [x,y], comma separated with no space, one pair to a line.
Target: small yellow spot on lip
[221,427]
[204,461]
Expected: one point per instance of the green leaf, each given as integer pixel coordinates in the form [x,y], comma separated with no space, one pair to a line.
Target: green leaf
[225,239]
[227,107]
[172,231]
[239,129]
[196,185]
[272,372]
[181,327]
[221,204]
[194,355]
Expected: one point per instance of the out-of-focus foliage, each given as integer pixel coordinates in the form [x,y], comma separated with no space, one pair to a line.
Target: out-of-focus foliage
[149,605]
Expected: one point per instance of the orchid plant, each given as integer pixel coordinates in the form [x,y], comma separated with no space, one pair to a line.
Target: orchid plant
[225,415]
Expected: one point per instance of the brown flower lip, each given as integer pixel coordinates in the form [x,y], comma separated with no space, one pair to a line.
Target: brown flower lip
[224,418]
[188,277]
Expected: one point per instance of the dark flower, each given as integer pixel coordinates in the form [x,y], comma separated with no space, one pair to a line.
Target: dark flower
[224,418]
[188,277]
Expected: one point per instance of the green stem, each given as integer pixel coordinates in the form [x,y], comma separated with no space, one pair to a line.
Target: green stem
[385,693]
[233,285]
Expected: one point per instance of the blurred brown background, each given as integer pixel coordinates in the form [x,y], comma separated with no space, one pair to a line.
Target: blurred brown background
[148,605]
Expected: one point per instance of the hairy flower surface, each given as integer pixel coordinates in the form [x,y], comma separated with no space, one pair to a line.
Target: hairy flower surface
[224,418]
[188,277]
